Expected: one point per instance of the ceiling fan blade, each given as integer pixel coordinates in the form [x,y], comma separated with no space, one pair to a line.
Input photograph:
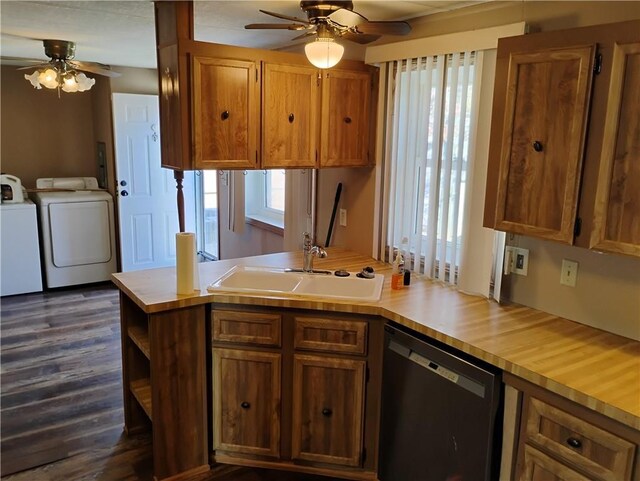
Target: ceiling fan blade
[275,26]
[285,17]
[97,68]
[361,38]
[347,18]
[384,28]
[38,65]
[305,35]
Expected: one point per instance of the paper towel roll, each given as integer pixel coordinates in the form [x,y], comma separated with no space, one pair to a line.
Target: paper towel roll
[186,263]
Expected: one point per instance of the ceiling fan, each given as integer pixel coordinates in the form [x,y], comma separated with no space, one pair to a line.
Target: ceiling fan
[61,71]
[328,20]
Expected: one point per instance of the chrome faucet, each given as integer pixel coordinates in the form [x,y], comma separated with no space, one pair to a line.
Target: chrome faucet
[309,251]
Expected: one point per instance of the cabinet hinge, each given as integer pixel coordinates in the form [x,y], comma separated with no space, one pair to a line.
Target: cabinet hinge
[577,228]
[597,65]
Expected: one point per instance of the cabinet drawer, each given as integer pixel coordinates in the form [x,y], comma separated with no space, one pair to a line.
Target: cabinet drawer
[247,328]
[540,467]
[592,449]
[331,335]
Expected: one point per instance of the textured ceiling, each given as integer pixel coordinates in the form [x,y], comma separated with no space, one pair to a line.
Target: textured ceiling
[122,32]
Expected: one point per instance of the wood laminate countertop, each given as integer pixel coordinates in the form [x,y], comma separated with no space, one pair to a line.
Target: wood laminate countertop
[594,368]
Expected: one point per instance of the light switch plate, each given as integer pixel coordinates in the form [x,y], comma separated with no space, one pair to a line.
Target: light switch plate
[569,273]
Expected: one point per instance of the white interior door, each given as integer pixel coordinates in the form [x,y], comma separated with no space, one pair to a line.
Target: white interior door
[146,200]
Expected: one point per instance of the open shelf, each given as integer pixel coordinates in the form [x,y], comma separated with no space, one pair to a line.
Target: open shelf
[140,338]
[141,390]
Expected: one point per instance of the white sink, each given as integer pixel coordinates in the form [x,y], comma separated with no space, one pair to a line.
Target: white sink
[275,281]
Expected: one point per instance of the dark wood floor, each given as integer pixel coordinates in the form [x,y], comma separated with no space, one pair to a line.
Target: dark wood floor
[61,394]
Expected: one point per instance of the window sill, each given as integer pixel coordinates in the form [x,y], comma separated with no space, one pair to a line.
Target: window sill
[264,224]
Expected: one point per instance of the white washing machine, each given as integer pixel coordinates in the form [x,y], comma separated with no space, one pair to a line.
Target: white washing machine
[77,227]
[19,249]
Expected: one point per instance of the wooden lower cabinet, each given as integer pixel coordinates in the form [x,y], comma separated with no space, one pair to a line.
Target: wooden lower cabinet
[328,395]
[307,401]
[247,407]
[560,440]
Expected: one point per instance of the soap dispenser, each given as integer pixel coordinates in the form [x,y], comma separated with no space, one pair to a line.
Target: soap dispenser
[397,273]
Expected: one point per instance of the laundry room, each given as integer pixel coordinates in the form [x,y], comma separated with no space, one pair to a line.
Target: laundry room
[46,136]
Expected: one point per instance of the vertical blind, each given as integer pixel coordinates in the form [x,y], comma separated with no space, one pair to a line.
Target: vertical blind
[432,105]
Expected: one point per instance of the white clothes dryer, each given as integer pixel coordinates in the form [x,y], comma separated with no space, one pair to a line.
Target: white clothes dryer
[78,233]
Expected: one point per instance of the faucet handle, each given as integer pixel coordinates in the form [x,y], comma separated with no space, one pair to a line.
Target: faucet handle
[306,239]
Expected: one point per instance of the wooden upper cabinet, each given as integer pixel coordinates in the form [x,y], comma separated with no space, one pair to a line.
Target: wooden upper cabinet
[246,412]
[226,113]
[346,98]
[545,119]
[328,405]
[290,116]
[616,216]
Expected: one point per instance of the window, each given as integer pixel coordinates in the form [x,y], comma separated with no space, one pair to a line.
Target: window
[208,213]
[264,197]
[434,104]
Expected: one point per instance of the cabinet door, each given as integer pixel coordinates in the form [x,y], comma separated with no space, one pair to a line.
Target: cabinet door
[246,401]
[291,101]
[545,118]
[226,113]
[345,119]
[616,223]
[328,409]
[540,467]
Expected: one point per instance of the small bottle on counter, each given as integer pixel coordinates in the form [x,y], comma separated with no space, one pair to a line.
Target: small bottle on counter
[397,273]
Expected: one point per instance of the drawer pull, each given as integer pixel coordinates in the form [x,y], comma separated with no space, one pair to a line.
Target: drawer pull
[537,146]
[224,115]
[574,442]
[327,412]
[291,118]
[245,405]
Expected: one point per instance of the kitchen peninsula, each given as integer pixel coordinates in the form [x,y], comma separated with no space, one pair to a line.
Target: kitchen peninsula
[167,344]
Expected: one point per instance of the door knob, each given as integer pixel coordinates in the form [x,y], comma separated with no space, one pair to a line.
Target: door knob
[124,193]
[537,146]
[123,183]
[224,115]
[245,405]
[327,412]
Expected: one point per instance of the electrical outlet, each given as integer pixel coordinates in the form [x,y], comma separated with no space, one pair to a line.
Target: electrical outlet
[569,273]
[343,217]
[521,261]
[516,261]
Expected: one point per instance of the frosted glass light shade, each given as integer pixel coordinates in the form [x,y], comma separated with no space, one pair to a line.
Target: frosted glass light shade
[48,78]
[324,52]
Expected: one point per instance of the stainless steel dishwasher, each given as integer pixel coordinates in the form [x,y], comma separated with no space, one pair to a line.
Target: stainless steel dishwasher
[441,414]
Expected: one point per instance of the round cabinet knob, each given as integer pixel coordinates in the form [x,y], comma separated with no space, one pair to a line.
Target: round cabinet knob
[327,412]
[347,120]
[537,146]
[291,118]
[245,405]
[574,442]
[123,183]
[224,115]
[124,193]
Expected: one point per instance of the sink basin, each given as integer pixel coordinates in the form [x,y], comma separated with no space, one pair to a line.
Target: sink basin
[275,281]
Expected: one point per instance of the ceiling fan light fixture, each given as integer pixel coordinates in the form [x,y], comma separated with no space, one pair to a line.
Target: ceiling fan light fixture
[55,78]
[324,52]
